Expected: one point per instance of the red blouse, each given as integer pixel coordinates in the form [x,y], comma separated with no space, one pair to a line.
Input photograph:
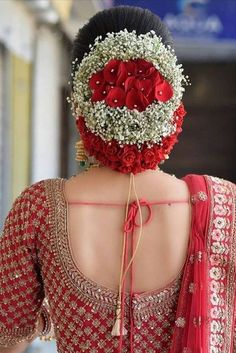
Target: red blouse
[36,263]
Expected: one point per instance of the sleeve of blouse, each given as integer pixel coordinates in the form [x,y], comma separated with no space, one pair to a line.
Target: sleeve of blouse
[21,289]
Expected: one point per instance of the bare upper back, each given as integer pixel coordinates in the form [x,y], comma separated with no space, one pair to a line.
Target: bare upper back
[96,232]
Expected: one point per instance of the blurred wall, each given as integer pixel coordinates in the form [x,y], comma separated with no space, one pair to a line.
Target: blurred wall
[17,28]
[20,102]
[46,105]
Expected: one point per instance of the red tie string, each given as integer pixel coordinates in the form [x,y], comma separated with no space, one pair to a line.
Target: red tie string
[129,228]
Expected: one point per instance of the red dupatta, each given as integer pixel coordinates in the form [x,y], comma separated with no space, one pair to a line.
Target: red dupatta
[205,313]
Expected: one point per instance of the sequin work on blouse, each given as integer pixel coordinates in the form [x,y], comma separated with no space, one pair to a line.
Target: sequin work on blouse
[82,311]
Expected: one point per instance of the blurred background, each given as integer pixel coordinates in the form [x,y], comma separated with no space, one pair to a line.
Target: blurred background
[37,133]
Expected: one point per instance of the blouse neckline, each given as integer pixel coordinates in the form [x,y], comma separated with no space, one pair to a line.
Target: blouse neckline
[84,288]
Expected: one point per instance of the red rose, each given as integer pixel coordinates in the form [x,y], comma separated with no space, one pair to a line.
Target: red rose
[99,94]
[98,86]
[181,110]
[115,97]
[130,83]
[179,121]
[146,87]
[159,78]
[179,130]
[95,143]
[153,75]
[86,141]
[136,100]
[163,91]
[122,75]
[97,80]
[111,71]
[126,70]
[159,152]
[142,66]
[168,143]
[80,124]
[137,168]
[124,169]
[128,155]
[102,158]
[143,93]
[111,151]
[108,88]
[179,114]
[131,67]
[149,158]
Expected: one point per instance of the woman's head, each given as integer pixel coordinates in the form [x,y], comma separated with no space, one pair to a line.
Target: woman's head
[116,19]
[127,89]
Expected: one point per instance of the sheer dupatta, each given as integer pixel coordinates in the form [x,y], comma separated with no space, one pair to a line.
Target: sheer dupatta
[205,314]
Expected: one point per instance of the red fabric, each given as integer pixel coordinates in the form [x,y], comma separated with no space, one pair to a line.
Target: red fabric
[34,263]
[194,305]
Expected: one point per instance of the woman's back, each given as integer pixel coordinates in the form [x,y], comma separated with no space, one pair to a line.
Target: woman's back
[96,232]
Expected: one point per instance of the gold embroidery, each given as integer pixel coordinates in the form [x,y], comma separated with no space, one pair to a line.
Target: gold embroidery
[200,196]
[12,337]
[180,322]
[191,287]
[196,257]
[197,321]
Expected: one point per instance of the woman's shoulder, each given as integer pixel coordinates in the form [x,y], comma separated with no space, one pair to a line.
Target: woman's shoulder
[35,193]
[39,185]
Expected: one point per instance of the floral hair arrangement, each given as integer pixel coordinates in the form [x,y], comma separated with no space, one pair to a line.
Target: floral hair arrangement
[126,99]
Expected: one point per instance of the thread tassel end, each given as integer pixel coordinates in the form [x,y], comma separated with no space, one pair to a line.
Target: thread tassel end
[116,330]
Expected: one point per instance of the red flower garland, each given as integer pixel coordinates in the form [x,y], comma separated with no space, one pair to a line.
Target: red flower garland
[129,158]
